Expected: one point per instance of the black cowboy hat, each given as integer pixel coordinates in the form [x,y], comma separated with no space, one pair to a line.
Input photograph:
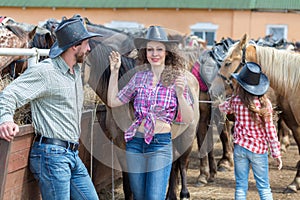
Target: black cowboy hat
[154,33]
[69,33]
[252,79]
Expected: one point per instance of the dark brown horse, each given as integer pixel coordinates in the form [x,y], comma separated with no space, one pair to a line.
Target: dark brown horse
[205,69]
[282,68]
[118,119]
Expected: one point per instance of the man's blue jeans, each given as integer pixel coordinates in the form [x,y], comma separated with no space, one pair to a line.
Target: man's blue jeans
[149,166]
[60,173]
[243,158]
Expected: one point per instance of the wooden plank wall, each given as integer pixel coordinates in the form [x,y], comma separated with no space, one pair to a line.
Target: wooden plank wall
[16,180]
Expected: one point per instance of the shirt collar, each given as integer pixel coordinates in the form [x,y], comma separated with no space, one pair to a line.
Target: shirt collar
[62,65]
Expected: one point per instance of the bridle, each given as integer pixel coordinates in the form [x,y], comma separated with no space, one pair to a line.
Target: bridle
[228,80]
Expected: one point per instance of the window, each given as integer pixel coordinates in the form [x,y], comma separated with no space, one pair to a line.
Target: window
[206,31]
[277,31]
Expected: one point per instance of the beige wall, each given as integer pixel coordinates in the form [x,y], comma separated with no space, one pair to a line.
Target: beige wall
[232,23]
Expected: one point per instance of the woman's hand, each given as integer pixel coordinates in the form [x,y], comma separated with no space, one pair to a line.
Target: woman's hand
[115,61]
[180,84]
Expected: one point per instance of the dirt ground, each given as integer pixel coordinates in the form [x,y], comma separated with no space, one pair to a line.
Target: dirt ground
[223,187]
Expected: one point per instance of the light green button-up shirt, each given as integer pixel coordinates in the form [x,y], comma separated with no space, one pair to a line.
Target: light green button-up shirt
[55,96]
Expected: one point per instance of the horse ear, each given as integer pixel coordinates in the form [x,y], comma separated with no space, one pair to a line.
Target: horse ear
[32,33]
[243,41]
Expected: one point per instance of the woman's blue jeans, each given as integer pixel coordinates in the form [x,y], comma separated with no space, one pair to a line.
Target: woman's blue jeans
[60,173]
[243,158]
[149,166]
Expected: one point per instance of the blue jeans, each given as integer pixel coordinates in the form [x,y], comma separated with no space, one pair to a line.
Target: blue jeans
[149,166]
[60,173]
[243,158]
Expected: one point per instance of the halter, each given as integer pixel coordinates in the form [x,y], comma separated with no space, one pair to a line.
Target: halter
[228,80]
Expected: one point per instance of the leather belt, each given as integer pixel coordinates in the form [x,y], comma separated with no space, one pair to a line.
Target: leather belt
[68,145]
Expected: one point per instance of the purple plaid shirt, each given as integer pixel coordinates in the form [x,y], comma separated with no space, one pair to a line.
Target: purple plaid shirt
[150,103]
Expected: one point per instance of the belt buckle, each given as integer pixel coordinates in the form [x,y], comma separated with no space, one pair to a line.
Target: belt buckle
[73,147]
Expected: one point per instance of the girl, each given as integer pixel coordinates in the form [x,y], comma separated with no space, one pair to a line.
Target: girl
[254,130]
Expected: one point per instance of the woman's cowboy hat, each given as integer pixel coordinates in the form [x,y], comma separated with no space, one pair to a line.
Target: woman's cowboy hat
[154,33]
[252,79]
[69,33]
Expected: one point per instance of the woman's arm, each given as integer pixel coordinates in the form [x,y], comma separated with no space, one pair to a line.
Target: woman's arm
[113,89]
[186,110]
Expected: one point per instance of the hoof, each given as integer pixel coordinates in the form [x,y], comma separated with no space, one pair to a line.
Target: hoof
[290,189]
[224,168]
[211,180]
[184,196]
[201,181]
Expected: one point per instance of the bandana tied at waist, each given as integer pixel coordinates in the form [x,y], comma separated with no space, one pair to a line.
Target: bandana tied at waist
[148,128]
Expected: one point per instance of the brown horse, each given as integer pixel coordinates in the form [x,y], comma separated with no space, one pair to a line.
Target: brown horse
[282,68]
[205,69]
[13,36]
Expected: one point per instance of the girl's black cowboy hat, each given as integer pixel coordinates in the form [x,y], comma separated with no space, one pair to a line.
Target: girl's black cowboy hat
[69,33]
[154,33]
[252,79]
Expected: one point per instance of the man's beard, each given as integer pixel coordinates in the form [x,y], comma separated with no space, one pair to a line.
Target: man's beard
[80,58]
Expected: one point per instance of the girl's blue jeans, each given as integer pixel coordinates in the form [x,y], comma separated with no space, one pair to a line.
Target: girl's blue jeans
[149,166]
[60,173]
[243,159]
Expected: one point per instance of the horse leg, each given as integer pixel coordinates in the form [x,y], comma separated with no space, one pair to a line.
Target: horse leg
[283,135]
[126,187]
[183,165]
[202,141]
[226,162]
[211,157]
[212,166]
[173,181]
[295,185]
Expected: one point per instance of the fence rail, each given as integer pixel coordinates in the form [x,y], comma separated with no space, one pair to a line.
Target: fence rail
[33,53]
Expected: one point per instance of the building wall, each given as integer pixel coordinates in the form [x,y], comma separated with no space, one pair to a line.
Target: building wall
[232,23]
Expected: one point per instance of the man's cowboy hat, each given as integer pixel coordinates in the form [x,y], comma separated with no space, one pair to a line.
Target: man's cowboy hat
[154,33]
[252,79]
[69,33]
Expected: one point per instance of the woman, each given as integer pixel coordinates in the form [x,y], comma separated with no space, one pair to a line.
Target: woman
[159,94]
[254,130]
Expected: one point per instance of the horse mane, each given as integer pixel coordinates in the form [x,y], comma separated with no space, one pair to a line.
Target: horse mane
[281,67]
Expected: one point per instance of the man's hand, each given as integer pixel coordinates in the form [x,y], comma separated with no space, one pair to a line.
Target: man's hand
[8,130]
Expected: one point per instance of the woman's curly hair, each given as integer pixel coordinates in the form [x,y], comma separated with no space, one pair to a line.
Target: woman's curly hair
[174,63]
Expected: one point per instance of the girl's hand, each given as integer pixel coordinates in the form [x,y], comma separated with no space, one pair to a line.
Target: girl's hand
[180,84]
[115,61]
[279,163]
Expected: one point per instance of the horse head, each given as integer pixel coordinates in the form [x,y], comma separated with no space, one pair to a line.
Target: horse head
[232,63]
[13,36]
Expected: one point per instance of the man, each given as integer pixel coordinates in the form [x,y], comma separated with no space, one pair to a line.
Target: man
[54,89]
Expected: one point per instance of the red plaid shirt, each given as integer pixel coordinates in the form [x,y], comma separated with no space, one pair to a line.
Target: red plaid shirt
[251,134]
[150,103]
